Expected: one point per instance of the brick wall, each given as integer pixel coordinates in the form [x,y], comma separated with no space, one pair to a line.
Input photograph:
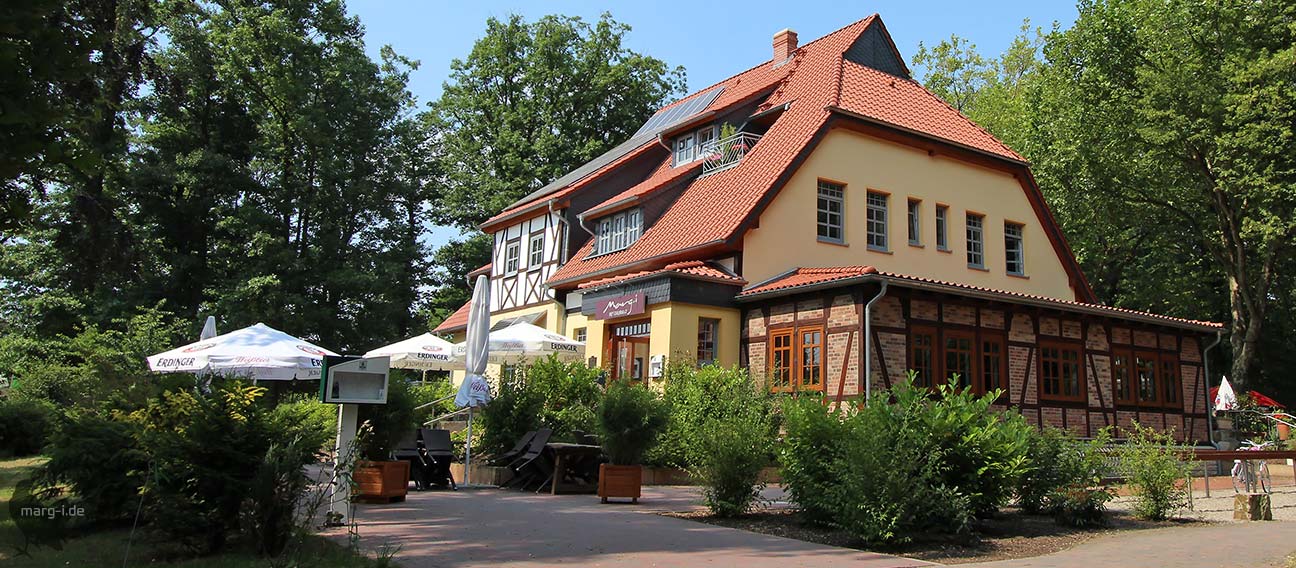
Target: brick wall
[838,311]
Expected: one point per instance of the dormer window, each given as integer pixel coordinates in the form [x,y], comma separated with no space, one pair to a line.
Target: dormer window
[618,231]
[691,146]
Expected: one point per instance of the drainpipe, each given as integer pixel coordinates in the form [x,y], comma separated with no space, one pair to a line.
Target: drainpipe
[868,343]
[562,252]
[1210,414]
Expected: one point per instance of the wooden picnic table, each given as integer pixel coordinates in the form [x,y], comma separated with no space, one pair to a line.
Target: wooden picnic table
[568,459]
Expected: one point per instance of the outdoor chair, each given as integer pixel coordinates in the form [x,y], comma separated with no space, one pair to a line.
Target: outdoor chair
[518,449]
[527,467]
[407,449]
[438,452]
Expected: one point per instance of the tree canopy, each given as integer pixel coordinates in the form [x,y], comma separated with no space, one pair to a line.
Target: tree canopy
[1165,147]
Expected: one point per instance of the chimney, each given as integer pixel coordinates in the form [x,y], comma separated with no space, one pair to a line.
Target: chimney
[785,42]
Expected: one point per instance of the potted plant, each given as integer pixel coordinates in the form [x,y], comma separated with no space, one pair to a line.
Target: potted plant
[630,419]
[377,476]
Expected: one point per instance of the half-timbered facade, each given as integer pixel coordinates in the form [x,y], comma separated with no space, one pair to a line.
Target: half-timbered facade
[824,220]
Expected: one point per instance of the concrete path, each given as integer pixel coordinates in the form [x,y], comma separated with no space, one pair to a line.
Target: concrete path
[492,527]
[1249,545]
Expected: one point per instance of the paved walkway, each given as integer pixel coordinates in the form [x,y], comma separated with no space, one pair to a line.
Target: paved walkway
[1249,545]
[491,527]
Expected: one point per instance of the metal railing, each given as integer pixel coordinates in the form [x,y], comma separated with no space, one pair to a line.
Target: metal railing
[726,152]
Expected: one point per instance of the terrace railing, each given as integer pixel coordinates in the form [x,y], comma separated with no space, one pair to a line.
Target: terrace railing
[727,152]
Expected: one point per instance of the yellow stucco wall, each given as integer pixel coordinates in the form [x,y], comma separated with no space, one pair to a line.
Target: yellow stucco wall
[786,237]
[674,331]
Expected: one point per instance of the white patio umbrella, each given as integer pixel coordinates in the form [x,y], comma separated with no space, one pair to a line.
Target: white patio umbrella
[475,391]
[1225,399]
[426,352]
[259,351]
[524,343]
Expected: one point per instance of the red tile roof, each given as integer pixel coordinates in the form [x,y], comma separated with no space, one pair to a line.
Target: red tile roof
[456,321]
[483,269]
[906,104]
[712,212]
[694,269]
[537,205]
[711,209]
[802,278]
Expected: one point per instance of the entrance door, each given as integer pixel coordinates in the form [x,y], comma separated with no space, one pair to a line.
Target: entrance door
[629,345]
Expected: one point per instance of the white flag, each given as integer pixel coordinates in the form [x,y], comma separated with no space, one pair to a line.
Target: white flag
[474,391]
[1224,398]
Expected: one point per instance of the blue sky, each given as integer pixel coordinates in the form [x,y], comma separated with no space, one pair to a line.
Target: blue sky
[711,40]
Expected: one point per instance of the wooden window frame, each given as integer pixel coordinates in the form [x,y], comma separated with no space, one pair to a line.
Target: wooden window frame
[1155,359]
[1130,398]
[973,353]
[713,339]
[800,353]
[774,369]
[1081,381]
[980,386]
[935,370]
[1172,383]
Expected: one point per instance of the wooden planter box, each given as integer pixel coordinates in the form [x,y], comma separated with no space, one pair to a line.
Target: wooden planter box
[384,482]
[623,481]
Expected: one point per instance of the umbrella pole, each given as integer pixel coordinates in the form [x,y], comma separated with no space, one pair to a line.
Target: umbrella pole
[468,449]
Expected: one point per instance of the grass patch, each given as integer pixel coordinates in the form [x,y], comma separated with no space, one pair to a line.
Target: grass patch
[108,547]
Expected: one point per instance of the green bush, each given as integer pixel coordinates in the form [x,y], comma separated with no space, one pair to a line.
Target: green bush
[984,450]
[277,492]
[25,426]
[390,422]
[1064,478]
[514,411]
[429,392]
[1154,473]
[811,456]
[315,420]
[695,397]
[100,461]
[570,392]
[905,463]
[547,394]
[630,419]
[733,447]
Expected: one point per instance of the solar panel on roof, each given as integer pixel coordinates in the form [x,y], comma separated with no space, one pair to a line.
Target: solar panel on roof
[684,110]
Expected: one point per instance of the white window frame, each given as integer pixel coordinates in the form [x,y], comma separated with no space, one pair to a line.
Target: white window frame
[1015,246]
[830,194]
[618,231]
[942,228]
[535,250]
[875,225]
[512,256]
[975,240]
[915,222]
[685,149]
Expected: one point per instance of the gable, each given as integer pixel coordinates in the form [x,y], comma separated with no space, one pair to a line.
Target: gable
[874,49]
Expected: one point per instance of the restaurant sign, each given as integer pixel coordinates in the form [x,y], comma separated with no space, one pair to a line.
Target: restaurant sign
[620,306]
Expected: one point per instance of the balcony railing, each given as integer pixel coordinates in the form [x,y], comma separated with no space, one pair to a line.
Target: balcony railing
[726,152]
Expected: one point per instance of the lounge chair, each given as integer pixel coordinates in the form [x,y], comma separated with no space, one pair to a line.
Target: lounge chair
[530,465]
[438,452]
[518,449]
